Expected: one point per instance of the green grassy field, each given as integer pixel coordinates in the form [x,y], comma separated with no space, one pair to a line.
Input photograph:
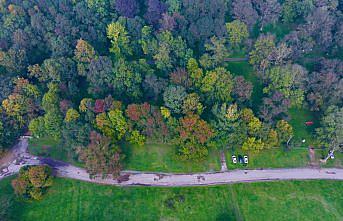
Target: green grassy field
[244,69]
[297,156]
[337,162]
[162,158]
[300,130]
[273,158]
[280,30]
[48,147]
[70,200]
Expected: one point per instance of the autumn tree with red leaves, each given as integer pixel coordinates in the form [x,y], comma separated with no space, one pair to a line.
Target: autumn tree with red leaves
[194,134]
[101,156]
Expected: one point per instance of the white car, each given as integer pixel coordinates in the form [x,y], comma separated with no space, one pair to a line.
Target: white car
[246,161]
[234,159]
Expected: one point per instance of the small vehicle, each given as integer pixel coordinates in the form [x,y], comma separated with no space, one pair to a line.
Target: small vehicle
[240,159]
[234,159]
[246,161]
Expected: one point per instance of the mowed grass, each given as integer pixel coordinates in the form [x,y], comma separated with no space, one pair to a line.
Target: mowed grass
[296,156]
[162,158]
[280,30]
[150,157]
[297,200]
[243,68]
[300,130]
[71,200]
[337,162]
[48,147]
[272,158]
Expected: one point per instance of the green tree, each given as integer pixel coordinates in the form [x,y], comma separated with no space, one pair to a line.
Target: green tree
[289,80]
[53,124]
[272,139]
[294,9]
[71,115]
[217,85]
[192,104]
[254,126]
[53,118]
[228,126]
[216,54]
[253,144]
[120,43]
[174,97]
[238,32]
[36,127]
[136,138]
[195,72]
[113,124]
[165,112]
[331,131]
[263,47]
[166,50]
[284,131]
[51,99]
[126,80]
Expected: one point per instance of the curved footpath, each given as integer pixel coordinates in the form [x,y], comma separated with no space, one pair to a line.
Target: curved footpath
[22,158]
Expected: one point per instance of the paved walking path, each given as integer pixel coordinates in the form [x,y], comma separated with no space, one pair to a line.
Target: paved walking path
[167,179]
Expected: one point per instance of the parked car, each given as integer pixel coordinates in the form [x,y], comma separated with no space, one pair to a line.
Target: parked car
[240,159]
[234,159]
[246,160]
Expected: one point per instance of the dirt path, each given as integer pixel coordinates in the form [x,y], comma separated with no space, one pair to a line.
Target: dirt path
[236,59]
[223,162]
[168,179]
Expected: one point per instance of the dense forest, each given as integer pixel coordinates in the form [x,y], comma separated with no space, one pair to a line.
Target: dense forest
[95,74]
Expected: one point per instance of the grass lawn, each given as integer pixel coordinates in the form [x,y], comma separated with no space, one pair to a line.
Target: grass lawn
[300,130]
[277,158]
[71,200]
[49,147]
[337,162]
[297,200]
[280,30]
[273,158]
[162,158]
[244,69]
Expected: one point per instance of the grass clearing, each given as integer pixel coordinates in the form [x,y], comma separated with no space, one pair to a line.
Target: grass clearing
[72,200]
[48,147]
[150,157]
[279,157]
[297,200]
[337,162]
[273,158]
[162,158]
[246,70]
[301,131]
[280,30]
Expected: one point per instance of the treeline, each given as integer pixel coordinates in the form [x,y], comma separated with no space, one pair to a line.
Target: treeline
[95,74]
